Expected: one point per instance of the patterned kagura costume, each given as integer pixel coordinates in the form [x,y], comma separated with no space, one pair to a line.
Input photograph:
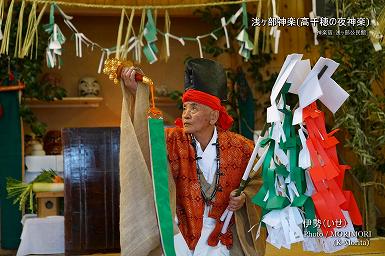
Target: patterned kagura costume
[235,152]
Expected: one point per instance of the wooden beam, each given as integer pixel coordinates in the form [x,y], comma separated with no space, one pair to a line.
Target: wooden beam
[5,88]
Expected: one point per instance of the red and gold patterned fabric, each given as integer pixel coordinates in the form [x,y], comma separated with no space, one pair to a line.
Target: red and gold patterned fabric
[235,152]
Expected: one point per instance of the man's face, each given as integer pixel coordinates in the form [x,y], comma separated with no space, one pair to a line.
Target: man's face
[196,117]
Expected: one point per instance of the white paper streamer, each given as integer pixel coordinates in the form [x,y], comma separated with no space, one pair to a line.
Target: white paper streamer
[50,58]
[180,39]
[132,43]
[71,26]
[65,16]
[200,46]
[223,22]
[78,44]
[284,227]
[260,160]
[309,184]
[325,89]
[304,160]
[234,18]
[273,115]
[280,154]
[101,61]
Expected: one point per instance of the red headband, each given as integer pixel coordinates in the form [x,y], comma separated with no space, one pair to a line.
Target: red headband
[225,121]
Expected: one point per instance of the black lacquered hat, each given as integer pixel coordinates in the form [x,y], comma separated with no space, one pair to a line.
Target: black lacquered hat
[206,76]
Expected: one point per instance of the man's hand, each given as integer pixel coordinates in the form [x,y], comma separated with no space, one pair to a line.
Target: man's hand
[128,77]
[236,203]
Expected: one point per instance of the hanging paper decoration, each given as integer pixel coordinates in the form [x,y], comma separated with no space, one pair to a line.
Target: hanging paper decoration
[200,46]
[274,31]
[7,29]
[223,22]
[56,40]
[246,46]
[150,50]
[135,42]
[302,197]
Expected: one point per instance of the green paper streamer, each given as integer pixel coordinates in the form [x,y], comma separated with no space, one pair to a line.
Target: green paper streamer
[150,50]
[310,214]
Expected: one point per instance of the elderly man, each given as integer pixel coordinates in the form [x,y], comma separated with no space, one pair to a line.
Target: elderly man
[207,163]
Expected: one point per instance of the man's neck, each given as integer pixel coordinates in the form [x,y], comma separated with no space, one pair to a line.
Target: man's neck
[204,137]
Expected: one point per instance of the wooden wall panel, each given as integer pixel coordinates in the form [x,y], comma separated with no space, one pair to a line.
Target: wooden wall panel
[91,171]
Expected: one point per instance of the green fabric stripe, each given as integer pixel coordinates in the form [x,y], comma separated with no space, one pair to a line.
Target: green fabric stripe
[10,166]
[159,168]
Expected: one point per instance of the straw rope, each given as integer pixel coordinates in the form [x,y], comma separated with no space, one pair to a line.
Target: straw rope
[109,6]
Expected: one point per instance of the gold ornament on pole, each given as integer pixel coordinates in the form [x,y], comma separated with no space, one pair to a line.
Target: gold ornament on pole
[113,69]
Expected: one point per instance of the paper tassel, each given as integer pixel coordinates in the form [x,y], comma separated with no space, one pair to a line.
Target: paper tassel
[56,40]
[246,46]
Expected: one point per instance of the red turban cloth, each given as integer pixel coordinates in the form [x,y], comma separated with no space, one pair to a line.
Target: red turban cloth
[225,121]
